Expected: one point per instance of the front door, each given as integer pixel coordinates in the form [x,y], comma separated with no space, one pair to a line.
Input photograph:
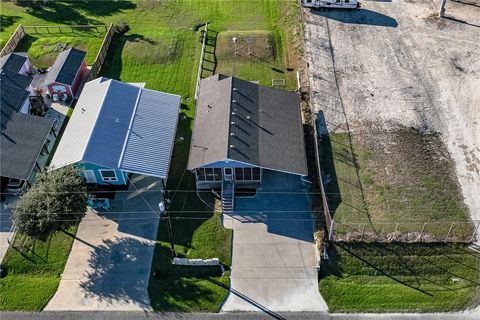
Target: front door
[228,174]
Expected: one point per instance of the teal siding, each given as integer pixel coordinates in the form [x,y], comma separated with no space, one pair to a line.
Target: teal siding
[227,164]
[121,175]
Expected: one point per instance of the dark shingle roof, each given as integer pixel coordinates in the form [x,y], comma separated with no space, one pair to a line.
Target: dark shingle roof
[13,61]
[14,79]
[243,121]
[12,100]
[21,142]
[65,67]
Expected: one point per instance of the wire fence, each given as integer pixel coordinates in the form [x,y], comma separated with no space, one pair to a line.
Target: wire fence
[415,231]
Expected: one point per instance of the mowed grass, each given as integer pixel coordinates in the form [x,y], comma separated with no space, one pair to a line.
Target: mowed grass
[404,177]
[44,48]
[34,269]
[361,277]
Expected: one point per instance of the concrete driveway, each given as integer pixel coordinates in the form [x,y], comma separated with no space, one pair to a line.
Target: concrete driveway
[274,257]
[109,265]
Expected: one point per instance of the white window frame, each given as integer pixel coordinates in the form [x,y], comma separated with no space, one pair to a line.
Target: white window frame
[108,179]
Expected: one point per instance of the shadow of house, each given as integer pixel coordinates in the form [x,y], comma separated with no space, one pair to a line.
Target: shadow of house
[118,272]
[360,16]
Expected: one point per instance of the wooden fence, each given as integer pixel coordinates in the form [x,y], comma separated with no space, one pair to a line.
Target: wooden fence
[200,65]
[102,54]
[66,29]
[14,40]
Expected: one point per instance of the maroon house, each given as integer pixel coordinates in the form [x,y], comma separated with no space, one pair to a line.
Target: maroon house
[67,73]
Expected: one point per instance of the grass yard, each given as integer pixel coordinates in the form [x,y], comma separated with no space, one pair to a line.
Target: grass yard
[33,271]
[43,48]
[377,180]
[436,277]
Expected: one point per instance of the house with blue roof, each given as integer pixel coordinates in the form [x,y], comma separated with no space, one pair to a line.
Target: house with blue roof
[118,128]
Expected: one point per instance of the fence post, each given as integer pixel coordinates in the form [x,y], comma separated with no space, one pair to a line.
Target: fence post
[330,233]
[396,227]
[449,230]
[421,232]
[363,230]
[475,232]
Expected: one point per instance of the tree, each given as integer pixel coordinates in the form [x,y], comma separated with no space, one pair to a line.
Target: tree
[121,27]
[55,202]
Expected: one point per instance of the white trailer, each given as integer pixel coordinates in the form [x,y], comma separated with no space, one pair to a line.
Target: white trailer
[340,4]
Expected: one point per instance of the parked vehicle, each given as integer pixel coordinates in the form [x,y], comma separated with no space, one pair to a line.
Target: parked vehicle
[340,4]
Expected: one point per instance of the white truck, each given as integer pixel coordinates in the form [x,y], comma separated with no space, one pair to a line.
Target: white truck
[340,4]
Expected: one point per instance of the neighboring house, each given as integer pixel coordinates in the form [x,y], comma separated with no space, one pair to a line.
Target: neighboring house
[24,139]
[67,73]
[13,99]
[241,129]
[118,128]
[18,80]
[17,62]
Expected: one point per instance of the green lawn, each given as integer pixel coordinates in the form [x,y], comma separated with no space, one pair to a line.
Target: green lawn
[408,178]
[42,48]
[400,277]
[33,269]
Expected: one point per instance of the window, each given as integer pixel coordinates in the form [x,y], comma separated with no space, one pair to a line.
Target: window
[247,173]
[108,175]
[256,174]
[59,89]
[238,173]
[201,174]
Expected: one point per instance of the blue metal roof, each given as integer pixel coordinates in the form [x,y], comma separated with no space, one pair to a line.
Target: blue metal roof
[121,126]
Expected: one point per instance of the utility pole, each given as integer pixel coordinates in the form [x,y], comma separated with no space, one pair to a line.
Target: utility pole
[163,206]
[441,13]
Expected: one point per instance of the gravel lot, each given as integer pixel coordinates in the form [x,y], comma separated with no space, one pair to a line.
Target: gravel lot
[393,64]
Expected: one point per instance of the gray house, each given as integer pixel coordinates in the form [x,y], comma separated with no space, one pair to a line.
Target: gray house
[242,129]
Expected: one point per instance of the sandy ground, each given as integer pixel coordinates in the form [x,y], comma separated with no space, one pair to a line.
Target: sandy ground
[393,63]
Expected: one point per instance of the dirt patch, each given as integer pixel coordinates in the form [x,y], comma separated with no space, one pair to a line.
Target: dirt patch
[256,44]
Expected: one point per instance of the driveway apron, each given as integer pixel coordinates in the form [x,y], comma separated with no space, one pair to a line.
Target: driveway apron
[274,255]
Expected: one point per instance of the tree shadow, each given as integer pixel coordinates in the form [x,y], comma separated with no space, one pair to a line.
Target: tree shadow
[6,21]
[118,272]
[358,16]
[76,12]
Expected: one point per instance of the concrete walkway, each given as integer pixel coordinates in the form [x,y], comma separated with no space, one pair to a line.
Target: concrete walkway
[274,256]
[5,225]
[109,265]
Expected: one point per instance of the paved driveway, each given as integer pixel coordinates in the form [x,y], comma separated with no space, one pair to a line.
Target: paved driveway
[109,265]
[274,258]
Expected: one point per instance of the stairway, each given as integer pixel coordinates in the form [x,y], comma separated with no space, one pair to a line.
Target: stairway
[228,196]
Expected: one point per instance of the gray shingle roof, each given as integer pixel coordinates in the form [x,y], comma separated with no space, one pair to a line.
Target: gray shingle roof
[14,79]
[121,126]
[243,121]
[21,142]
[13,61]
[66,66]
[12,100]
